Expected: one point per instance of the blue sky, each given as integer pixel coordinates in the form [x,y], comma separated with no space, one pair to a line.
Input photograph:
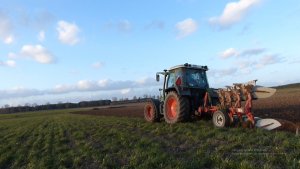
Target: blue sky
[67,51]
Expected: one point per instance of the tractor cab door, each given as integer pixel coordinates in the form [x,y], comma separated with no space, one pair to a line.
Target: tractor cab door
[171,80]
[174,78]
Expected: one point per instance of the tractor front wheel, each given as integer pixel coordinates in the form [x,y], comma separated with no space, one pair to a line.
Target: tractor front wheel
[176,108]
[221,119]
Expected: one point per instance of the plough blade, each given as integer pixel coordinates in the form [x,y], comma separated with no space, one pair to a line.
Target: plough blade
[260,92]
[268,124]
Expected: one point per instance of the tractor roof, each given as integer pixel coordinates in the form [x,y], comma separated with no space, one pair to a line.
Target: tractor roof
[190,66]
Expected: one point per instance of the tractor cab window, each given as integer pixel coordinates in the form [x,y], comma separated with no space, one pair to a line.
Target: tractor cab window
[196,78]
[171,80]
[173,76]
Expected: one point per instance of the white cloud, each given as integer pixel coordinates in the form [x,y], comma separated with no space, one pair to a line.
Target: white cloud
[18,91]
[249,65]
[37,53]
[124,26]
[103,83]
[68,33]
[294,61]
[155,25]
[61,88]
[227,72]
[108,25]
[268,60]
[9,39]
[146,81]
[37,19]
[223,72]
[233,13]
[41,36]
[125,91]
[85,85]
[12,55]
[8,63]
[230,52]
[6,28]
[97,65]
[253,51]
[245,64]
[186,27]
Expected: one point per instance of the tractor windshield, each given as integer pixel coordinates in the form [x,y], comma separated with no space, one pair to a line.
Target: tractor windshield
[196,78]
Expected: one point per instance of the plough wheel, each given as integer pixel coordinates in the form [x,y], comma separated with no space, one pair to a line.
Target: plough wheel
[221,119]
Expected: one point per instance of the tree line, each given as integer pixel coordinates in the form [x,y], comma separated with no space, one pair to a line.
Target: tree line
[48,106]
[34,107]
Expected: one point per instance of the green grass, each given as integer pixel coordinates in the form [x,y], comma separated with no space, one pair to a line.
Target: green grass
[58,139]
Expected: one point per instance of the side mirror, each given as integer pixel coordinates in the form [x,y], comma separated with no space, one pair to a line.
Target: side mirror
[157,77]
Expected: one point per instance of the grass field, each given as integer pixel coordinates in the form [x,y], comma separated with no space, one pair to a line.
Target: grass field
[59,139]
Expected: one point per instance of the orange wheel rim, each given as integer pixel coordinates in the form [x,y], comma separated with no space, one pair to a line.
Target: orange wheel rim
[149,112]
[172,108]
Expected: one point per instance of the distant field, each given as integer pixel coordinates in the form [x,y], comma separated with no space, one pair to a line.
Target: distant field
[59,139]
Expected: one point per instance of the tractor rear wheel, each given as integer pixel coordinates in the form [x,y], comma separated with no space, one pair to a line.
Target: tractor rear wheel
[221,119]
[151,112]
[176,108]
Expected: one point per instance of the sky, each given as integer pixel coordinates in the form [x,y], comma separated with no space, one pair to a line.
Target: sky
[68,51]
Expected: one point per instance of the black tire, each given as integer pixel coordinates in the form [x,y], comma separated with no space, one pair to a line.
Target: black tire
[151,112]
[176,108]
[221,119]
[161,110]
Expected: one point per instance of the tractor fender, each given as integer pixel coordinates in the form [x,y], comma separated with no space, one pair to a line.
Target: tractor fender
[180,91]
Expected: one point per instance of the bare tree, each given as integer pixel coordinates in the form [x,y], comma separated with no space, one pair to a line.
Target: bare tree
[114,99]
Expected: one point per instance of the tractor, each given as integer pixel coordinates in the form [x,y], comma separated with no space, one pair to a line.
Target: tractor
[186,95]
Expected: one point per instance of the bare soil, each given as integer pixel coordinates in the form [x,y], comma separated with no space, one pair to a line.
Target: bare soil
[124,110]
[284,106]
